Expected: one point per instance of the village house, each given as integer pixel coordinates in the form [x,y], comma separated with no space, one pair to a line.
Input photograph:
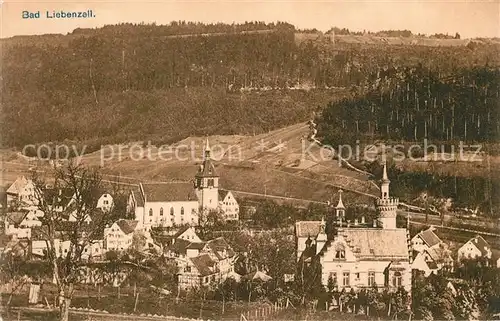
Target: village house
[425,240]
[119,236]
[199,262]
[476,247]
[62,244]
[19,223]
[430,254]
[358,256]
[181,203]
[433,259]
[21,193]
[229,205]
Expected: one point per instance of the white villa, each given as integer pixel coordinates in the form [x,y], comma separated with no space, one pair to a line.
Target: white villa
[360,257]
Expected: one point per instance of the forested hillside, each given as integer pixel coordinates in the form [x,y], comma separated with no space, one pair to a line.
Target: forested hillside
[414,104]
[124,82]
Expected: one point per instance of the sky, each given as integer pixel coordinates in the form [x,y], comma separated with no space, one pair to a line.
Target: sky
[470,18]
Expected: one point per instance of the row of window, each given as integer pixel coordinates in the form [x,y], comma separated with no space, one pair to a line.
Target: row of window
[162,221]
[397,279]
[172,211]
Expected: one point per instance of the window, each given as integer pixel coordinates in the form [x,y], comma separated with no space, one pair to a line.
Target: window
[210,182]
[182,210]
[346,279]
[105,202]
[340,253]
[371,278]
[187,269]
[150,212]
[397,279]
[171,211]
[333,275]
[161,211]
[357,276]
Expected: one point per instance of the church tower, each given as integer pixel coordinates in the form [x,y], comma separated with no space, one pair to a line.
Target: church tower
[207,182]
[387,206]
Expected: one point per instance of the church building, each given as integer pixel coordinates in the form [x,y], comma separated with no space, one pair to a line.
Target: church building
[182,203]
[359,256]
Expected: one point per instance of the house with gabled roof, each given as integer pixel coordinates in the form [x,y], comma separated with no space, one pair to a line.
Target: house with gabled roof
[476,247]
[229,205]
[425,239]
[21,192]
[431,260]
[200,262]
[118,236]
[19,223]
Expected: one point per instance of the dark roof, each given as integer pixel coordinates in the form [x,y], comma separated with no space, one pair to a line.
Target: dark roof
[62,196]
[127,226]
[196,246]
[169,192]
[429,237]
[179,246]
[180,231]
[136,191]
[204,264]
[16,217]
[207,169]
[39,233]
[481,245]
[222,194]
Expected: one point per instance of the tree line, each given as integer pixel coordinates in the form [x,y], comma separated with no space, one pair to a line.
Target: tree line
[135,75]
[416,104]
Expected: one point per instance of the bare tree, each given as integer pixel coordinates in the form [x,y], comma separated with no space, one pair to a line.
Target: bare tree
[68,202]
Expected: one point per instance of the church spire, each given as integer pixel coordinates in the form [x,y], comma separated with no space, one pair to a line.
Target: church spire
[207,149]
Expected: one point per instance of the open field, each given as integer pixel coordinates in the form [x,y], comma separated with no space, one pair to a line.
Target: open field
[272,163]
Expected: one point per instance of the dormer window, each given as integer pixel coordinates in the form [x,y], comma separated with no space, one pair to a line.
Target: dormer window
[340,252]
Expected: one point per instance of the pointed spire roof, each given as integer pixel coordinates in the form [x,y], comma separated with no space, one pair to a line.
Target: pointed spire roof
[207,169]
[340,204]
[384,175]
[207,145]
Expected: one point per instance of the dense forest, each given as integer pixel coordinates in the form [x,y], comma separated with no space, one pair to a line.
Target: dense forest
[125,82]
[414,104]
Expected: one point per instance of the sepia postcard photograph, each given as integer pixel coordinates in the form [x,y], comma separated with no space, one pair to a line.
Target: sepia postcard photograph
[249,160]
